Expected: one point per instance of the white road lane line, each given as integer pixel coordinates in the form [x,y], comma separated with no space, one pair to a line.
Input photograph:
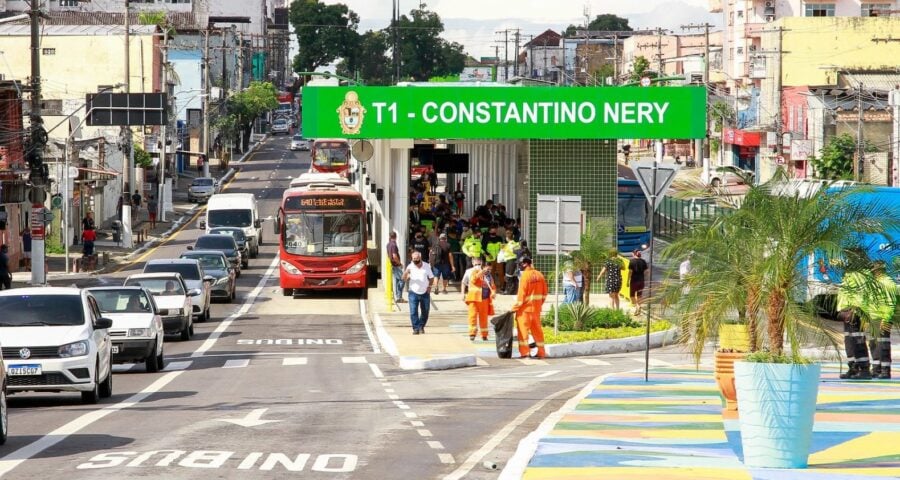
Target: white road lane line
[446,458]
[593,361]
[410,414]
[435,445]
[211,341]
[237,363]
[175,366]
[354,360]
[547,374]
[424,432]
[394,397]
[653,362]
[532,361]
[290,361]
[417,423]
[389,390]
[33,449]
[377,372]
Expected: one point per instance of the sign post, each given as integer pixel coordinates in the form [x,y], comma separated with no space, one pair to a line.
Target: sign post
[655,181]
[558,230]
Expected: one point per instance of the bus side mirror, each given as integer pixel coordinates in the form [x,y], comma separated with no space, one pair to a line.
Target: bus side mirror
[369,218]
[277,225]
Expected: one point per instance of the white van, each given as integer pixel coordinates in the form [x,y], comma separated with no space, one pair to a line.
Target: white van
[235,210]
[305,179]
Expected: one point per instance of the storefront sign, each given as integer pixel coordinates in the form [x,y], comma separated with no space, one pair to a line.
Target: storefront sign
[735,136]
[504,112]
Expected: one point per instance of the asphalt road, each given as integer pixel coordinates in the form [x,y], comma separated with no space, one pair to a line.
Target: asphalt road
[277,387]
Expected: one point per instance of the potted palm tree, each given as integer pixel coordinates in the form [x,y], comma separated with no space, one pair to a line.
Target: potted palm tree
[777,232]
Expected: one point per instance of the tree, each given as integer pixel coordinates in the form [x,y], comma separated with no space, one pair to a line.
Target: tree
[641,68]
[607,70]
[606,22]
[244,107]
[423,53]
[368,59]
[835,160]
[324,32]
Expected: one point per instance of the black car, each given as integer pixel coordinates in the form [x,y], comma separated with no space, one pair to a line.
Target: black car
[215,264]
[241,240]
[223,243]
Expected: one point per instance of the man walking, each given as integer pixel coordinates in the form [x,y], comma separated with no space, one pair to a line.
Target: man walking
[880,310]
[5,273]
[637,266]
[478,293]
[419,277]
[850,308]
[393,253]
[441,263]
[151,210]
[532,293]
[26,247]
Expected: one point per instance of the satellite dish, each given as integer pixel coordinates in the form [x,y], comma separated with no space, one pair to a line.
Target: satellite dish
[363,150]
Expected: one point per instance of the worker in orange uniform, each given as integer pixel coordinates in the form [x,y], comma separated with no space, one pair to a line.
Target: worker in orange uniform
[479,292]
[532,293]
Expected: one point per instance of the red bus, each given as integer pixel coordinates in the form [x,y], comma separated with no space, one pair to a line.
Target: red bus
[322,239]
[330,155]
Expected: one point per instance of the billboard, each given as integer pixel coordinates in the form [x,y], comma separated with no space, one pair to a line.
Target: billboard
[477,74]
[126,109]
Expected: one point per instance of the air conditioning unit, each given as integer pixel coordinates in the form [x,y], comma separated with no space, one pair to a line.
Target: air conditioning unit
[752,48]
[770,4]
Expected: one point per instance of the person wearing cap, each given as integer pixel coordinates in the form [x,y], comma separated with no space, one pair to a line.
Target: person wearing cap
[479,293]
[879,307]
[441,262]
[530,300]
[637,266]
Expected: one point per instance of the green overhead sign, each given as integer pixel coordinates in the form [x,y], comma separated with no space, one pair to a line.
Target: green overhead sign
[504,112]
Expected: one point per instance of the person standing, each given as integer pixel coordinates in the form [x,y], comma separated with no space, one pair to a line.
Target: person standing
[88,237]
[200,161]
[26,247]
[152,205]
[471,247]
[87,223]
[419,244]
[5,273]
[573,282]
[479,293]
[637,266]
[393,253]
[441,263]
[850,310]
[530,300]
[880,310]
[419,277]
[507,259]
[612,269]
[136,202]
[491,245]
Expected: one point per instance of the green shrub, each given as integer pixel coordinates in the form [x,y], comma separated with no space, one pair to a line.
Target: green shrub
[590,318]
[603,333]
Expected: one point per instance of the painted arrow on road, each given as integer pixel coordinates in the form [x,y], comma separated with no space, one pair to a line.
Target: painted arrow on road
[253,419]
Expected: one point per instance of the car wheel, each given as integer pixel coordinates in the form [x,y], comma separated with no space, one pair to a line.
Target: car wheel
[715,183]
[106,386]
[161,358]
[152,362]
[287,292]
[188,329]
[94,395]
[4,416]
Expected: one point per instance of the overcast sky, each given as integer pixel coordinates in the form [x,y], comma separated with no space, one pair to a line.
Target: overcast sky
[473,23]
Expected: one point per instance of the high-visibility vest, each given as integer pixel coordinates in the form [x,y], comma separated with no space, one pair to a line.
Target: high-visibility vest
[532,292]
[881,301]
[493,249]
[476,284]
[508,251]
[472,247]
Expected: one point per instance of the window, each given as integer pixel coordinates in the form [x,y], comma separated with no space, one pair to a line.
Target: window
[740,14]
[52,107]
[875,9]
[819,10]
[48,51]
[740,50]
[68,3]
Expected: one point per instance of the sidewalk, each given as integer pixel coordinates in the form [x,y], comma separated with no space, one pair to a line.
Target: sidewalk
[672,427]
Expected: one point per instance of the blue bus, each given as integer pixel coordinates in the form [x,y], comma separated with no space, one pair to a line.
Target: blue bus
[632,213]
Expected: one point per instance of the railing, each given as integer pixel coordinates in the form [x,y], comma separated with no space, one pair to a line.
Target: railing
[676,216]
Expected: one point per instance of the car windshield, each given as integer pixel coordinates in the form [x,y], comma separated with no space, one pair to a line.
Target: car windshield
[122,301]
[235,233]
[323,234]
[158,286]
[208,260]
[28,310]
[215,242]
[202,182]
[229,218]
[188,271]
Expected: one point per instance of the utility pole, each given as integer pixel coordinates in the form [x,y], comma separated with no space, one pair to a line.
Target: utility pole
[779,122]
[659,55]
[615,59]
[206,64]
[36,154]
[698,144]
[161,193]
[516,55]
[396,39]
[858,165]
[506,56]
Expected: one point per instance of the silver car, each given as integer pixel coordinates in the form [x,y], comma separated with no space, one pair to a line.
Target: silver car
[299,143]
[202,188]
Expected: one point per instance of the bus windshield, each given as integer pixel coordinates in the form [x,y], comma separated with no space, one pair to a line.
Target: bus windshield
[331,154]
[633,213]
[323,234]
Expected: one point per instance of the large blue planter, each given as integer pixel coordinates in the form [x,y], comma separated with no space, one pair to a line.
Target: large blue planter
[778,407]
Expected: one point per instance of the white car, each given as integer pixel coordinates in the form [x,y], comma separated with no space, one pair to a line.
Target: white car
[194,279]
[56,340]
[137,330]
[299,143]
[280,125]
[727,175]
[173,299]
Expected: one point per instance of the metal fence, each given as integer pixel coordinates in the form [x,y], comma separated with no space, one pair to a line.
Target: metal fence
[676,216]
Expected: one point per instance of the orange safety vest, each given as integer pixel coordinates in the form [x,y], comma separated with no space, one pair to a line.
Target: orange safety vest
[476,282]
[532,292]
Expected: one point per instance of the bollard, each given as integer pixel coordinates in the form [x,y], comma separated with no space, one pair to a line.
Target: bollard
[75,265]
[105,258]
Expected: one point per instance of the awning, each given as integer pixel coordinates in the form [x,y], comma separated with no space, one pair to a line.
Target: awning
[735,136]
[877,82]
[99,171]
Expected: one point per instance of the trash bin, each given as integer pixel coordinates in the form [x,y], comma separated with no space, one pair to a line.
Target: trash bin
[503,327]
[117,231]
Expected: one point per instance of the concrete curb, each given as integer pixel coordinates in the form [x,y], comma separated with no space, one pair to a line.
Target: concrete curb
[440,362]
[384,338]
[603,347]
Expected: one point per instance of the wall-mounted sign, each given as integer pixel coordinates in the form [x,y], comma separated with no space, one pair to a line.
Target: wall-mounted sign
[504,112]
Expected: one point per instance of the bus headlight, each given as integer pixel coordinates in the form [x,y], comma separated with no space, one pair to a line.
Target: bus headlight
[290,268]
[356,268]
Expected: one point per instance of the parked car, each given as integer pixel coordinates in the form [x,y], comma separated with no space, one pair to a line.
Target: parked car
[281,125]
[194,278]
[239,238]
[56,340]
[215,264]
[222,243]
[727,175]
[137,330]
[299,143]
[173,299]
[202,188]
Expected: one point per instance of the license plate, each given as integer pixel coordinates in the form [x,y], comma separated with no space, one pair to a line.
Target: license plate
[115,349]
[22,370]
